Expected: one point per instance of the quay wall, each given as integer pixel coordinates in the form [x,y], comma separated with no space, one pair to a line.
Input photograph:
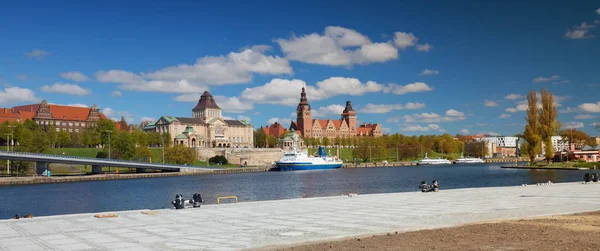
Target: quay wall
[252,156]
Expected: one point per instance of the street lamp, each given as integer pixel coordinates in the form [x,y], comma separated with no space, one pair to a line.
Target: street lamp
[108,131]
[163,148]
[7,149]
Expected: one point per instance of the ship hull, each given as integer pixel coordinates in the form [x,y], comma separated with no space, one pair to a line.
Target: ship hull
[282,166]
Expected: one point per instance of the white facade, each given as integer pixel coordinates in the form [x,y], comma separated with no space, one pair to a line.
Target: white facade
[502,141]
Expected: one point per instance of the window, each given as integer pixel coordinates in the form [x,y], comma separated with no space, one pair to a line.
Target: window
[76,130]
[70,124]
[70,129]
[76,124]
[82,124]
[64,124]
[58,129]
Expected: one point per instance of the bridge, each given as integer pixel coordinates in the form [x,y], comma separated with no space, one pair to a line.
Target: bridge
[42,161]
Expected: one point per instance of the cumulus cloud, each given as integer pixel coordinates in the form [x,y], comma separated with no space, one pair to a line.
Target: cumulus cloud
[451,115]
[428,72]
[147,119]
[337,46]
[227,104]
[78,105]
[403,89]
[116,94]
[11,95]
[464,131]
[245,118]
[70,89]
[546,79]
[584,116]
[590,107]
[429,127]
[404,40]
[514,96]
[522,105]
[573,125]
[326,111]
[598,11]
[385,108]
[490,103]
[424,47]
[74,76]
[504,116]
[36,53]
[234,68]
[278,120]
[581,31]
[116,115]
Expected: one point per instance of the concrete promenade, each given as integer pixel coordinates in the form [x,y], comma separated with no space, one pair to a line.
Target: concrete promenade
[266,224]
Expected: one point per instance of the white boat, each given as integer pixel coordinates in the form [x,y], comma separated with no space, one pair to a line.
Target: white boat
[299,160]
[468,160]
[428,161]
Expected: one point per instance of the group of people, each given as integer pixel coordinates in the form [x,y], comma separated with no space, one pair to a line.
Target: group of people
[590,177]
[434,187]
[179,202]
[26,216]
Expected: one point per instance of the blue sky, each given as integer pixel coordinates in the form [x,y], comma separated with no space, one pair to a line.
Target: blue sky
[416,67]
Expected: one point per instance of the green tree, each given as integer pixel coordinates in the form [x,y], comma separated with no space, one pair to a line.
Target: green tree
[124,146]
[75,139]
[547,123]
[104,128]
[531,134]
[179,154]
[260,138]
[325,141]
[141,138]
[166,138]
[52,135]
[63,139]
[272,141]
[143,153]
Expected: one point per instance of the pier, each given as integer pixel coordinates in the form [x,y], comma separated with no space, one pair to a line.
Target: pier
[267,224]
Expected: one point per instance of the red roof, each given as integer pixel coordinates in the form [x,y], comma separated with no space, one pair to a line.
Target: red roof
[7,115]
[322,122]
[58,112]
[25,115]
[363,130]
[276,130]
[337,124]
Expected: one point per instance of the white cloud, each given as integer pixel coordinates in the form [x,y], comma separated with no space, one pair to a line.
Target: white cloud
[147,119]
[338,46]
[246,118]
[568,110]
[451,115]
[429,127]
[35,53]
[228,118]
[573,125]
[581,31]
[424,47]
[116,94]
[514,96]
[326,111]
[75,76]
[428,72]
[233,104]
[70,89]
[278,120]
[404,40]
[454,113]
[504,116]
[544,80]
[490,103]
[116,115]
[234,68]
[522,105]
[598,11]
[190,97]
[590,107]
[414,87]
[12,95]
[584,116]
[78,105]
[261,48]
[491,134]
[385,108]
[464,131]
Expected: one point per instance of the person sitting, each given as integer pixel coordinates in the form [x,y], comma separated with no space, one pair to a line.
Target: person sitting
[197,200]
[595,177]
[178,203]
[424,187]
[17,216]
[435,186]
[587,178]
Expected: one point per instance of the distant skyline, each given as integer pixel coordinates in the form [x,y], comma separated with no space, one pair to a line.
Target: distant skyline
[461,67]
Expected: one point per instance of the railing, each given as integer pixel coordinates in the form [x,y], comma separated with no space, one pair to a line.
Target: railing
[227,197]
[60,156]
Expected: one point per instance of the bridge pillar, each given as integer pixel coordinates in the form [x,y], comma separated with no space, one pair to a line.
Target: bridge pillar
[41,167]
[96,169]
[139,170]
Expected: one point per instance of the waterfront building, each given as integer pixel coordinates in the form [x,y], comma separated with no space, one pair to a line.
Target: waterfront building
[6,114]
[65,118]
[586,153]
[276,130]
[330,128]
[206,127]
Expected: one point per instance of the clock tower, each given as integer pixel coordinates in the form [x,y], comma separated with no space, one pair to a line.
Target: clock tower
[304,116]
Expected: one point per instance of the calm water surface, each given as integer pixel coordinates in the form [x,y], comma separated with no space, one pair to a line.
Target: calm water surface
[101,196]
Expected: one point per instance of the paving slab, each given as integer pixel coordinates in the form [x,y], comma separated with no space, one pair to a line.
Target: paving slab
[266,224]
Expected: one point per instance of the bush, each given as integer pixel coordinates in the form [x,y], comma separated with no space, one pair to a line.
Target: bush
[101,155]
[218,159]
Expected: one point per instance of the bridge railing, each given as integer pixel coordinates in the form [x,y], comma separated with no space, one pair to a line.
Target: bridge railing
[92,159]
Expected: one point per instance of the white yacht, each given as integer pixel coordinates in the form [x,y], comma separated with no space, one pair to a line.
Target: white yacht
[299,160]
[428,161]
[468,160]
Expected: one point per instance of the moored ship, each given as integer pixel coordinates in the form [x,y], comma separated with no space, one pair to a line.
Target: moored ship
[468,160]
[428,161]
[300,160]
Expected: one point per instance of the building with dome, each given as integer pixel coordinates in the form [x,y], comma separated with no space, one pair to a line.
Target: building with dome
[206,127]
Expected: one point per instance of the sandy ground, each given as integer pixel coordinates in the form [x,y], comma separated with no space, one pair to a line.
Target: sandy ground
[570,232]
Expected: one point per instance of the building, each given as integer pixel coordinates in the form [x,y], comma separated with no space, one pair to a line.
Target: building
[122,125]
[206,127]
[6,114]
[65,118]
[587,153]
[276,130]
[330,128]
[499,146]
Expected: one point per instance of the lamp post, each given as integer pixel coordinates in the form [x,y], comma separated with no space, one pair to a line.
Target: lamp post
[108,131]
[163,148]
[7,149]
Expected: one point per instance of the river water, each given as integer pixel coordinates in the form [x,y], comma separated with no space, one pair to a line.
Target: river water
[155,193]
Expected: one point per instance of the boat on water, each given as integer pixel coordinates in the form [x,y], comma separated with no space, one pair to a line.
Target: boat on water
[437,161]
[300,160]
[468,160]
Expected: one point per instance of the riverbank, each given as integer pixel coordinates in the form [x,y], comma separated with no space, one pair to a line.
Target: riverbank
[547,168]
[30,180]
[293,222]
[577,231]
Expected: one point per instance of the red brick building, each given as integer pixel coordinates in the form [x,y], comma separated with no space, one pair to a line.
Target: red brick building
[65,118]
[331,128]
[275,130]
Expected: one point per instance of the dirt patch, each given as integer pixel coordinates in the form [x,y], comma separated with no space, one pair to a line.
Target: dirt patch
[571,232]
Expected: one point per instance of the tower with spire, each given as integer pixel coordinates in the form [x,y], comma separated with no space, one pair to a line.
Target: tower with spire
[349,117]
[206,108]
[304,116]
